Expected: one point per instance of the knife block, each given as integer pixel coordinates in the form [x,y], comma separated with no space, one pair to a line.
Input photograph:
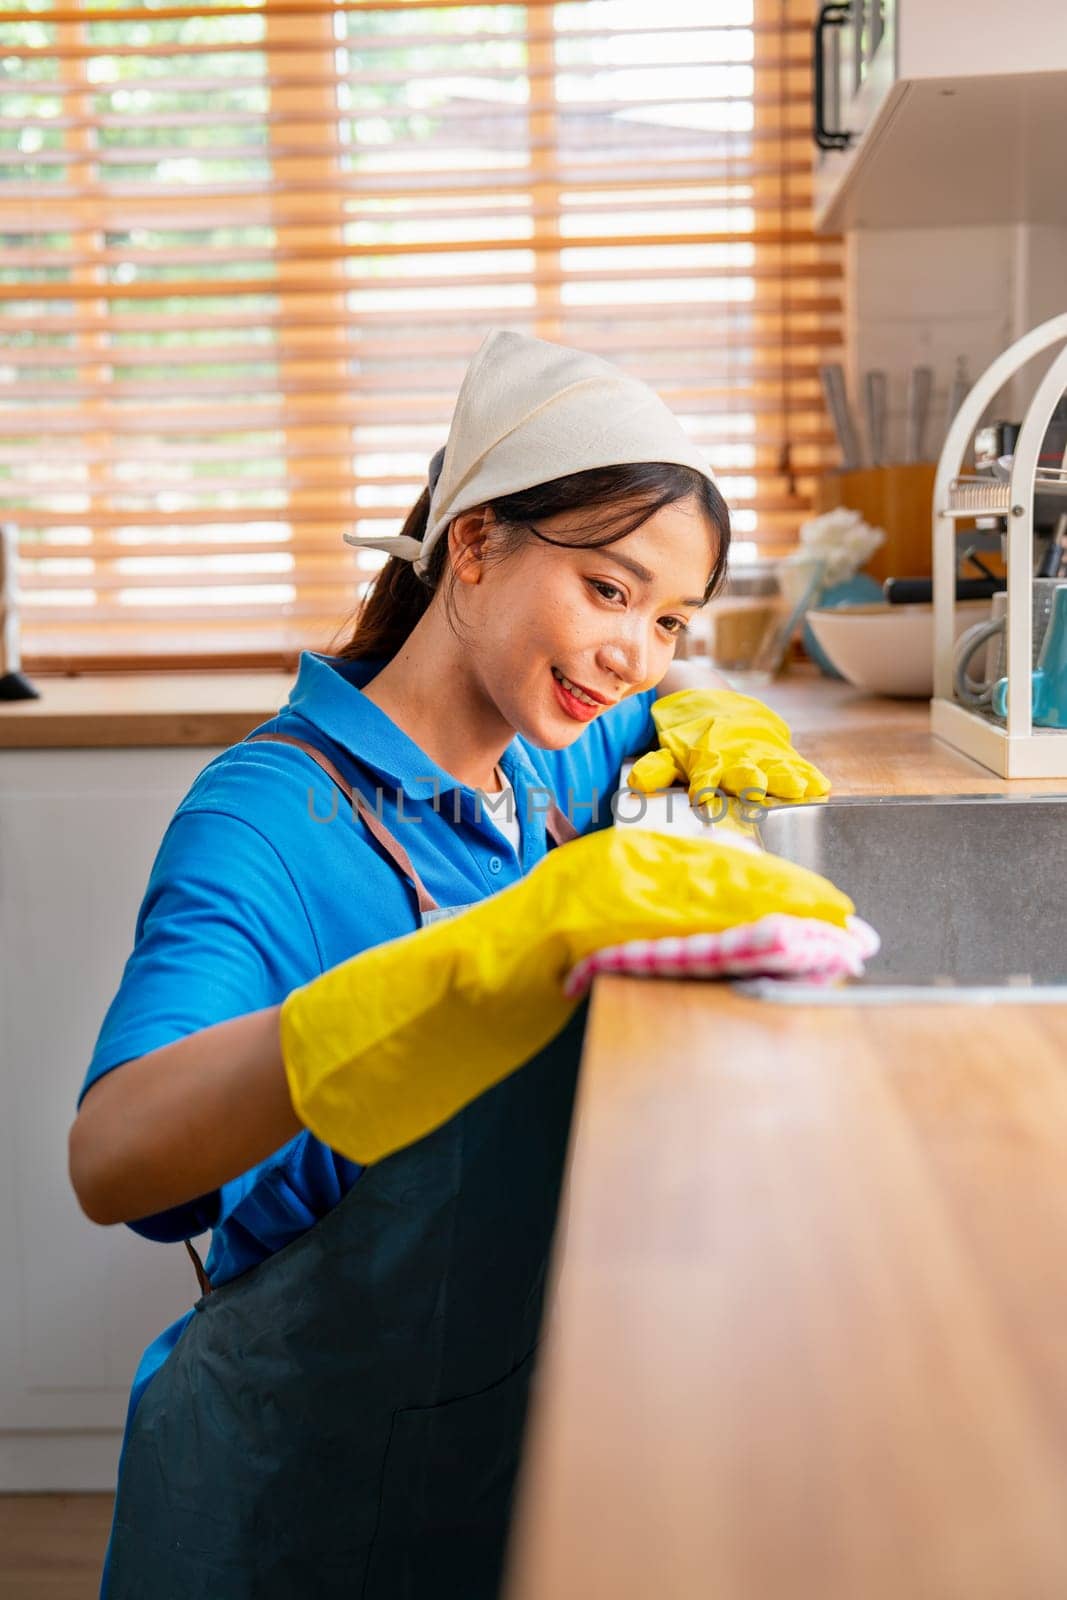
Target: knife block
[898,499]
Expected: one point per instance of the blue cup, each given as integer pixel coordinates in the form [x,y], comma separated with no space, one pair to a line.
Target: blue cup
[1048,684]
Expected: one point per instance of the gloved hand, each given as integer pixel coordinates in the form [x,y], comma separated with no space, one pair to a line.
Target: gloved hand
[385,1047]
[717,739]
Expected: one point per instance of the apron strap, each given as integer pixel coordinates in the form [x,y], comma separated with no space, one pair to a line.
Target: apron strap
[198,1267]
[560,828]
[373,823]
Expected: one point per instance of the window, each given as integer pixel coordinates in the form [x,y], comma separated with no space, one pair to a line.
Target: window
[250,248]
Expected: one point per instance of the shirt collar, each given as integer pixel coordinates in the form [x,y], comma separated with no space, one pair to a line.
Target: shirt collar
[327,694]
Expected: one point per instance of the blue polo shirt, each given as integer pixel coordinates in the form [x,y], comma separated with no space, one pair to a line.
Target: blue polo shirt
[264,879]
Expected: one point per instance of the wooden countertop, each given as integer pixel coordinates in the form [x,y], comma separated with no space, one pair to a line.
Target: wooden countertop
[117,710]
[809,1330]
[810,1335]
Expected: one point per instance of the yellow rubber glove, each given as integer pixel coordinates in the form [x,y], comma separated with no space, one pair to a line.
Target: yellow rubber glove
[716,739]
[385,1047]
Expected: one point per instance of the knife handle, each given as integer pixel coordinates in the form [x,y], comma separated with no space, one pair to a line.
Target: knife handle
[875,388]
[832,377]
[920,591]
[920,384]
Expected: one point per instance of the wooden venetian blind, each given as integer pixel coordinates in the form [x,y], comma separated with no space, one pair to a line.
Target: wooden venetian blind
[248,250]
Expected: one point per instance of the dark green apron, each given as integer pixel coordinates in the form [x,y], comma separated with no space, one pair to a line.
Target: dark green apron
[344,1421]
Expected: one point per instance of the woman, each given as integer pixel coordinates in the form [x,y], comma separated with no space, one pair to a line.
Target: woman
[340,1414]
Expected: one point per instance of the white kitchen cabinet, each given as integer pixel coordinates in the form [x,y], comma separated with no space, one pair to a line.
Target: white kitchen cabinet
[78,833]
[960,117]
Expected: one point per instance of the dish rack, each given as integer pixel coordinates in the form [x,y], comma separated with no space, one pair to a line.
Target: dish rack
[1014,748]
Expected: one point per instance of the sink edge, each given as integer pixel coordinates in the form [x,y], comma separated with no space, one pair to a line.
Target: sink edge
[874,994]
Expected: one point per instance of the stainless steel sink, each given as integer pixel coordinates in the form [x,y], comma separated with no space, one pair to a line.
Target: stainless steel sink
[968,893]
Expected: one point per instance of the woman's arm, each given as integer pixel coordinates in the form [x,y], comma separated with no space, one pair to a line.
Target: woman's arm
[176,1123]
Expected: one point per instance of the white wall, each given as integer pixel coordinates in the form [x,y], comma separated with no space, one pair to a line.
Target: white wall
[939,38]
[927,295]
[78,832]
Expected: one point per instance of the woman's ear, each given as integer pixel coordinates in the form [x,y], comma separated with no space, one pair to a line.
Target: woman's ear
[467,536]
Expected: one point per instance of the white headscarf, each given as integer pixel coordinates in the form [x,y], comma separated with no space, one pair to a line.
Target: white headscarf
[529,412]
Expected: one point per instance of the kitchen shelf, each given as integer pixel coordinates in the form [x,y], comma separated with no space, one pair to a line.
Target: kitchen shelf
[1014,747]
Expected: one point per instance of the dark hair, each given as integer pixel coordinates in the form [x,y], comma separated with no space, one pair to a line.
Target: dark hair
[621,499]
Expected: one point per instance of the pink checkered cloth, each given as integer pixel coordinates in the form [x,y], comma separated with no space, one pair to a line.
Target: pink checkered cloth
[777,946]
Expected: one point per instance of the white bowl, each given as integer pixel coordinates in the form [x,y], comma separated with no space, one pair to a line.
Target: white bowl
[887,649]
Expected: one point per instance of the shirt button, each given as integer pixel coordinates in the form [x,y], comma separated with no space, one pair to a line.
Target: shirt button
[495,863]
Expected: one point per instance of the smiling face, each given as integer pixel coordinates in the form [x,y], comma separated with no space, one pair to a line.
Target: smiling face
[605,620]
